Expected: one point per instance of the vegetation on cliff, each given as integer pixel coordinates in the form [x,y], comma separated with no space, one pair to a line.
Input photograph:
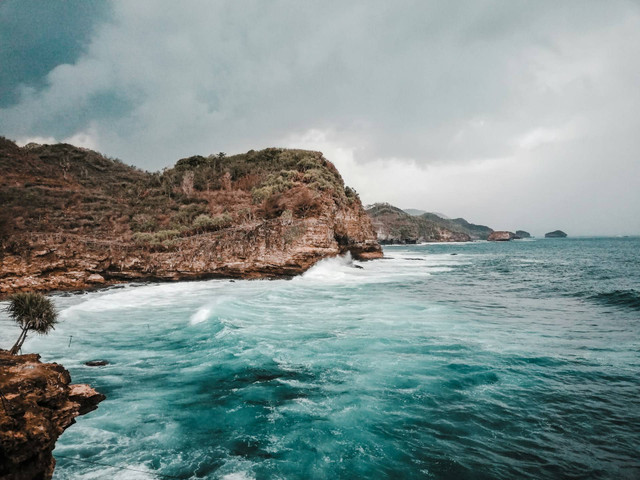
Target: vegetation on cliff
[74,217]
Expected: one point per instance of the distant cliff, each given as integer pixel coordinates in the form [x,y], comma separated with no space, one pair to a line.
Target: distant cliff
[73,218]
[394,226]
[38,403]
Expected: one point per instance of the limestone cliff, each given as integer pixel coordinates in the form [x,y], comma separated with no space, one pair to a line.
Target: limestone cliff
[394,226]
[73,218]
[37,404]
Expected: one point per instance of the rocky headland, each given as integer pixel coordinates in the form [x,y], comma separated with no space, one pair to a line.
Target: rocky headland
[73,218]
[37,403]
[396,226]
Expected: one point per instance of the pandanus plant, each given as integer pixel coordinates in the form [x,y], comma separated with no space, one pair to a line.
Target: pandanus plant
[31,311]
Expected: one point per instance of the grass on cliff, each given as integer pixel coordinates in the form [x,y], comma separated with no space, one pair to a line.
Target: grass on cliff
[64,190]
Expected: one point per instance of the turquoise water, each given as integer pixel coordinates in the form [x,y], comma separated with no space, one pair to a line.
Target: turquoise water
[484,360]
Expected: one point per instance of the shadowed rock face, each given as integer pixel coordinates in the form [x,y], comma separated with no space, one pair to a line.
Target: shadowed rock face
[74,219]
[38,404]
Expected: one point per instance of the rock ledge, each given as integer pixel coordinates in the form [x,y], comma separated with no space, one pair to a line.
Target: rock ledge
[39,403]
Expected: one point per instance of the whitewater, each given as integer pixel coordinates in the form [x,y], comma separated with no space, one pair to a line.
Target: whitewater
[478,360]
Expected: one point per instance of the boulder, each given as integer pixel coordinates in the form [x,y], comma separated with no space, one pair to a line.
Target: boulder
[501,236]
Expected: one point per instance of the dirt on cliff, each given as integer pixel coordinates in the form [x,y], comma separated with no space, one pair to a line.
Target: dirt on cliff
[37,403]
[72,218]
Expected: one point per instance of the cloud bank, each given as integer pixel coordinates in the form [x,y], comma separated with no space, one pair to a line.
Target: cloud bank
[518,114]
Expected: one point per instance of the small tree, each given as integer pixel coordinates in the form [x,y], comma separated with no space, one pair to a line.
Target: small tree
[31,311]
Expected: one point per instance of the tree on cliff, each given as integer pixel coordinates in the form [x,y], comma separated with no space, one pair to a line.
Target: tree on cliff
[31,311]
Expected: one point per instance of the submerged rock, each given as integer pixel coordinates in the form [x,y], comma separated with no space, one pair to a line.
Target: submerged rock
[555,234]
[96,363]
[38,404]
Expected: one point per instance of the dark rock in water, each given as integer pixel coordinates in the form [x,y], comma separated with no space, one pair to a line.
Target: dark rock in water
[358,266]
[555,234]
[454,254]
[96,363]
[501,236]
[523,234]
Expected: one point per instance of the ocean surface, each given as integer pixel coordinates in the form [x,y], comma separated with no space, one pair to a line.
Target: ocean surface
[441,361]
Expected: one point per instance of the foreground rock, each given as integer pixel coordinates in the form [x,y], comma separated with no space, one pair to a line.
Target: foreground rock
[74,219]
[38,405]
[501,236]
[555,234]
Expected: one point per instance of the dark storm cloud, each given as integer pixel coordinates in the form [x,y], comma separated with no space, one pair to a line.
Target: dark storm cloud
[36,36]
[525,99]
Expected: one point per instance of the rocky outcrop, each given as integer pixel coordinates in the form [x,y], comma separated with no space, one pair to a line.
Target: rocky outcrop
[38,403]
[74,219]
[395,226]
[555,234]
[522,234]
[501,236]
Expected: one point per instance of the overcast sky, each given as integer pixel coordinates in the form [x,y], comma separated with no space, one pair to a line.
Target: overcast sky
[515,114]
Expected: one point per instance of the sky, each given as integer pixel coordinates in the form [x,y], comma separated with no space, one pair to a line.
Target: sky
[514,114]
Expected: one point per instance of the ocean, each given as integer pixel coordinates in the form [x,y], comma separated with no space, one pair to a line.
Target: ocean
[442,361]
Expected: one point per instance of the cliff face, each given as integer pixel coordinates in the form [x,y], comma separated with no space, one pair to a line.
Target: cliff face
[38,404]
[394,226]
[73,218]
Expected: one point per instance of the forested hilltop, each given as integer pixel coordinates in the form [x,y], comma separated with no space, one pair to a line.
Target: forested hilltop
[73,218]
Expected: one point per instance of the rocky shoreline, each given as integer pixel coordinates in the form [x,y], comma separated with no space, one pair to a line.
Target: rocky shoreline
[38,404]
[73,219]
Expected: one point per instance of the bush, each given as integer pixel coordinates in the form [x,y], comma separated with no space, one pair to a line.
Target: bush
[165,238]
[143,223]
[204,223]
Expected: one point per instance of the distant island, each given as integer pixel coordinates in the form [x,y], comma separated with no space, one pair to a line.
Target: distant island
[555,234]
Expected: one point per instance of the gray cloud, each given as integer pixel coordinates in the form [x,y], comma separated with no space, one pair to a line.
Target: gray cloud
[534,102]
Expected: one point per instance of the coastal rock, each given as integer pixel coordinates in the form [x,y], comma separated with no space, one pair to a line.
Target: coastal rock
[95,278]
[522,234]
[38,404]
[555,234]
[395,226]
[74,219]
[501,236]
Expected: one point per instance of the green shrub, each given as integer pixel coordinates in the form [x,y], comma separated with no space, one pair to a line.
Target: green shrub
[143,223]
[204,223]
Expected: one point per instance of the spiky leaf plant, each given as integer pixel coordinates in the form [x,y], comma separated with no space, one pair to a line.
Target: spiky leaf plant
[31,311]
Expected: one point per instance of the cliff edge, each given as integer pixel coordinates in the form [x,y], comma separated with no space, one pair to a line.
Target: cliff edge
[73,218]
[37,404]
